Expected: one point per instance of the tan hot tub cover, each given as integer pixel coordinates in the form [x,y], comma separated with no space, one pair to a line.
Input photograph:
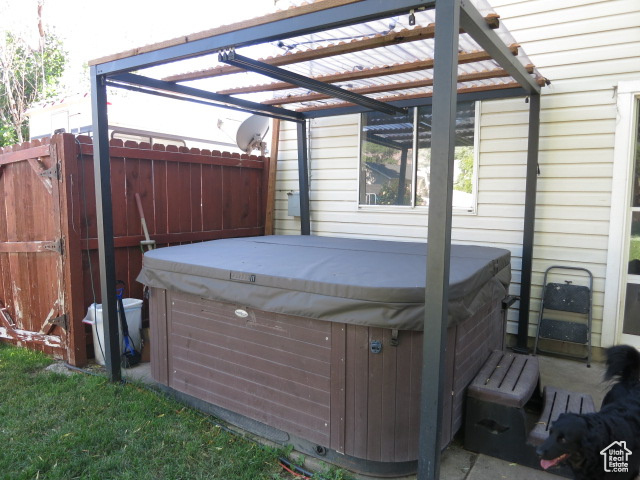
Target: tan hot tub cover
[364,282]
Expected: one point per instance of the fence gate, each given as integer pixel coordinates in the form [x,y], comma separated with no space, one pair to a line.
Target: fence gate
[32,308]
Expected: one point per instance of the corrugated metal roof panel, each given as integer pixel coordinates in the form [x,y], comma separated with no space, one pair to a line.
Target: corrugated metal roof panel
[388,55]
[393,54]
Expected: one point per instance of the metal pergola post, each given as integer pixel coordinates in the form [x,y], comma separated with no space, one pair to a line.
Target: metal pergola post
[529,223]
[104,219]
[303,179]
[439,236]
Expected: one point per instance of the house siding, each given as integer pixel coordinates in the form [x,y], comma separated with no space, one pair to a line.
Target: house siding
[585,48]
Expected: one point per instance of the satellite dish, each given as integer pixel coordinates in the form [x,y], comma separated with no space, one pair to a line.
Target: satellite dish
[251,134]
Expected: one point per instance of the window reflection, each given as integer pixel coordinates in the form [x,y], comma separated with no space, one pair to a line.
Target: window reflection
[388,175]
[386,159]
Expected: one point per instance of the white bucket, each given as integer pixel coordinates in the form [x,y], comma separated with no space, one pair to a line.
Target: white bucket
[133,312]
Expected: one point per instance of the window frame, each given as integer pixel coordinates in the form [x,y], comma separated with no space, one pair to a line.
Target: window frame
[616,276]
[422,209]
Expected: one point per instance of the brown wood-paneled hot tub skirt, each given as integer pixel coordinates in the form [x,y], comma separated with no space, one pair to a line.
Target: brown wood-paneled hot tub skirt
[346,391]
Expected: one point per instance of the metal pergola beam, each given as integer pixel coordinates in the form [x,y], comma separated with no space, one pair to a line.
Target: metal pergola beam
[336,17]
[158,87]
[476,25]
[277,73]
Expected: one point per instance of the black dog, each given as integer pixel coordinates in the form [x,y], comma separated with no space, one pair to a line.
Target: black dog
[593,444]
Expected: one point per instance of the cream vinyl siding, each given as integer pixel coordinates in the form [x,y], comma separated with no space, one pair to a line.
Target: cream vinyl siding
[585,48]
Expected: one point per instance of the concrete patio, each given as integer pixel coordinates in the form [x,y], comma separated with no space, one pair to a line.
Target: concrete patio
[460,464]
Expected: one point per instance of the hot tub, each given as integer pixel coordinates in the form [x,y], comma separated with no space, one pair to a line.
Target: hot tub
[317,341]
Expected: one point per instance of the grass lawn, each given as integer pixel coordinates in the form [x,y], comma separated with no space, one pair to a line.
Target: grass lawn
[54,426]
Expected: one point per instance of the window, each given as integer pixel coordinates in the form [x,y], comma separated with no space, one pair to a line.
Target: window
[395,154]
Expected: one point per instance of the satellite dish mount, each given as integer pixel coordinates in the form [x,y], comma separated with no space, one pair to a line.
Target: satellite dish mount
[251,134]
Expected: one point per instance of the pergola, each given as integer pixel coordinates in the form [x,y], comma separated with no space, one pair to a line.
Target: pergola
[468,57]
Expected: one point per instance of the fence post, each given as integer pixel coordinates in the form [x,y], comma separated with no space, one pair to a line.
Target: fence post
[70,220]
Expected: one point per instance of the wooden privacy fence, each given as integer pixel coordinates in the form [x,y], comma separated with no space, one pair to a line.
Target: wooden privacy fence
[49,273]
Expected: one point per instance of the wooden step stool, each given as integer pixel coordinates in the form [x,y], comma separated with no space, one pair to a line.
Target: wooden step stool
[497,423]
[557,401]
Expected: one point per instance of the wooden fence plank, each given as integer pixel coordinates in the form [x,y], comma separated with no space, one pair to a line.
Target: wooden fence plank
[212,197]
[4,259]
[18,269]
[145,191]
[9,262]
[172,193]
[252,186]
[118,196]
[26,247]
[132,184]
[22,155]
[86,183]
[10,332]
[37,210]
[54,299]
[161,207]
[183,198]
[196,197]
